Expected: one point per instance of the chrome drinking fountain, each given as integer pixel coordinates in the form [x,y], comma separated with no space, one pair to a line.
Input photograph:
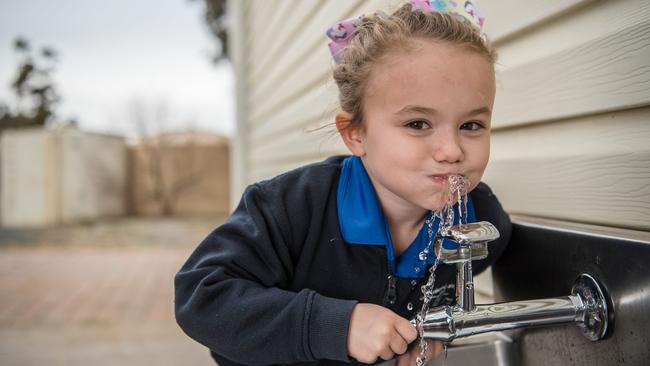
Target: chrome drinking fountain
[587,306]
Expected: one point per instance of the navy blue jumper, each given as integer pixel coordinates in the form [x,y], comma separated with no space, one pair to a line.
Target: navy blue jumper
[276,283]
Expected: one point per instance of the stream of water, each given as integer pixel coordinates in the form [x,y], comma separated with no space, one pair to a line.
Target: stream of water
[457,193]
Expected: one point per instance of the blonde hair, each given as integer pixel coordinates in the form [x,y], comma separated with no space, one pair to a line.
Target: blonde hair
[378,36]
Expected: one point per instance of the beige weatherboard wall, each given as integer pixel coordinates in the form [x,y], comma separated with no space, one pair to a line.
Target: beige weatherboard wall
[571,126]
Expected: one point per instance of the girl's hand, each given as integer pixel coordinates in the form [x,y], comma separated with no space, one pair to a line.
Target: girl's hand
[378,332]
[408,359]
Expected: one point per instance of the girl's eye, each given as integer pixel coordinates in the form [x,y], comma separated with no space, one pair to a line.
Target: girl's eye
[418,125]
[472,126]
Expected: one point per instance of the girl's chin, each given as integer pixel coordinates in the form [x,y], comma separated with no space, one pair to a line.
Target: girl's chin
[437,203]
[438,200]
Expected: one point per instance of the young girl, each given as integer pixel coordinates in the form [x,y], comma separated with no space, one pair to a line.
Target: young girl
[321,264]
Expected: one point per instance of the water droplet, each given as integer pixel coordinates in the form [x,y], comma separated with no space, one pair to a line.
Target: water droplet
[414,282]
[417,269]
[423,256]
[409,306]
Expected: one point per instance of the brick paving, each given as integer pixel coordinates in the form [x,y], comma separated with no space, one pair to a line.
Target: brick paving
[100,295]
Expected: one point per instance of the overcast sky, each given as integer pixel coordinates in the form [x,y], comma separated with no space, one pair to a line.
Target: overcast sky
[116,53]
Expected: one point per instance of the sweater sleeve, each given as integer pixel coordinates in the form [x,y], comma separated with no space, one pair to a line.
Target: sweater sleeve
[231,294]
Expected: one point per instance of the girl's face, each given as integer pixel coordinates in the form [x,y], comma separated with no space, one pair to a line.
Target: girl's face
[427,115]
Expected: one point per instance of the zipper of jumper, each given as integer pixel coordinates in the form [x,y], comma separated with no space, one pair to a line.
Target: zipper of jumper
[391,291]
[390,297]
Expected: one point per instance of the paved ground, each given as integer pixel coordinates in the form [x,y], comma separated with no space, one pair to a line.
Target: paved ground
[96,294]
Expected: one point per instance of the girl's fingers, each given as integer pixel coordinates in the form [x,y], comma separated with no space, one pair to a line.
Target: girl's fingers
[398,345]
[406,330]
[387,354]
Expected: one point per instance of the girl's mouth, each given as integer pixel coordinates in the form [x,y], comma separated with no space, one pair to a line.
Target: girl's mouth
[440,178]
[443,178]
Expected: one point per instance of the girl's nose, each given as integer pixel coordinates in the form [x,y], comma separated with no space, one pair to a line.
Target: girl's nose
[447,148]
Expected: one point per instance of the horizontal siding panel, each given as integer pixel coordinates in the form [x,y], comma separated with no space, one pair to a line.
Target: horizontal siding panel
[563,33]
[308,110]
[593,169]
[506,17]
[590,189]
[296,143]
[303,40]
[297,85]
[606,74]
[309,63]
[261,171]
[263,36]
[623,131]
[283,36]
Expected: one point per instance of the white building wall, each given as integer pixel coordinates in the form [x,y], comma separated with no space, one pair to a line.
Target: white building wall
[29,186]
[53,177]
[570,126]
[94,176]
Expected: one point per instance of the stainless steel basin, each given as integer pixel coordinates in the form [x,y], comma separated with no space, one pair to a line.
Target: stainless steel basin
[492,349]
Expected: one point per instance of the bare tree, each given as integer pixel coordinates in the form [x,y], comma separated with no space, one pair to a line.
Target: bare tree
[171,166]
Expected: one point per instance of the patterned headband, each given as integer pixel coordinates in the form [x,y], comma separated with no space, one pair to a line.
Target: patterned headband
[341,32]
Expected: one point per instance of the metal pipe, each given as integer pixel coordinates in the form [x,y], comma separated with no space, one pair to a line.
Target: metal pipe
[465,286]
[447,323]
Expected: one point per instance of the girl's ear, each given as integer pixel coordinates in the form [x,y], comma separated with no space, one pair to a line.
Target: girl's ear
[351,133]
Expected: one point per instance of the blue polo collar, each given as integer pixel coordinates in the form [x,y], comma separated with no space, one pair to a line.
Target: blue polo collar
[362,221]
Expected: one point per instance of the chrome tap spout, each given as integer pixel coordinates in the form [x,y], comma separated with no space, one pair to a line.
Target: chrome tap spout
[586,306]
[472,242]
